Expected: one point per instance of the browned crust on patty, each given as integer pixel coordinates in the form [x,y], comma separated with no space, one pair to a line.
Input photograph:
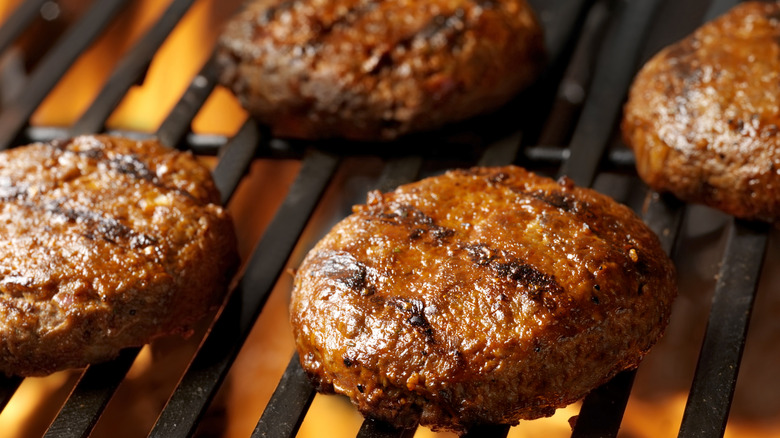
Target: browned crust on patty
[106,243]
[486,295]
[702,115]
[373,69]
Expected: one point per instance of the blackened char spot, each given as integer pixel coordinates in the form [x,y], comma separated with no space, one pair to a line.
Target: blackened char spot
[270,14]
[417,318]
[558,200]
[480,253]
[130,165]
[447,25]
[419,224]
[533,280]
[98,226]
[343,268]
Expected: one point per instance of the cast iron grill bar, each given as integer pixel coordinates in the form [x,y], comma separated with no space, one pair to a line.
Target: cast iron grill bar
[129,70]
[290,401]
[8,387]
[90,396]
[219,349]
[177,124]
[235,158]
[709,400]
[614,71]
[73,43]
[18,21]
[378,429]
[576,80]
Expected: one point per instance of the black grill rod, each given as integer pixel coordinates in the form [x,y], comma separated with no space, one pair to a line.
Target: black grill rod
[175,127]
[53,66]
[220,348]
[560,19]
[89,397]
[614,71]
[291,399]
[98,383]
[18,21]
[8,386]
[572,90]
[709,401]
[132,66]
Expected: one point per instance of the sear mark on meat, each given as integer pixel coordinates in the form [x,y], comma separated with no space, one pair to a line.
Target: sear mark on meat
[343,268]
[537,285]
[419,224]
[417,319]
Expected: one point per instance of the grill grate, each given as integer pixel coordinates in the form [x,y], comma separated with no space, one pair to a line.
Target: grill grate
[596,47]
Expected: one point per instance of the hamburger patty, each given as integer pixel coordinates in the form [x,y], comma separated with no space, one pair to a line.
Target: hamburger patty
[702,115]
[106,243]
[486,295]
[372,69]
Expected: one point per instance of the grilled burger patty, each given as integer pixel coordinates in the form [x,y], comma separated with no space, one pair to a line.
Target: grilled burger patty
[702,116]
[106,243]
[372,69]
[486,295]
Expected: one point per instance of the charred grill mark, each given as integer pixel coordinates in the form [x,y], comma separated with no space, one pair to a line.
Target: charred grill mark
[130,165]
[480,253]
[417,318]
[448,26]
[419,224]
[272,12]
[126,164]
[557,200]
[343,268]
[536,284]
[350,16]
[99,226]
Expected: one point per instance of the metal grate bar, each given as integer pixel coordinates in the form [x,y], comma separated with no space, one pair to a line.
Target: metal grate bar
[231,328]
[132,66]
[377,429]
[90,396]
[285,411]
[602,410]
[8,387]
[19,20]
[234,160]
[577,77]
[709,401]
[176,125]
[612,77]
[51,68]
[560,20]
[718,7]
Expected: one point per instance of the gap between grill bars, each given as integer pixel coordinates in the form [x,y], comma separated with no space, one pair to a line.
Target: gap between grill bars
[601,60]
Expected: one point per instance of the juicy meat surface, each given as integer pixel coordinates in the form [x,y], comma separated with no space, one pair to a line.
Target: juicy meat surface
[486,295]
[703,115]
[106,243]
[374,69]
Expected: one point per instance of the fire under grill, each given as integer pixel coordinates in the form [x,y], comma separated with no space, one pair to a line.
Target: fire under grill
[565,124]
